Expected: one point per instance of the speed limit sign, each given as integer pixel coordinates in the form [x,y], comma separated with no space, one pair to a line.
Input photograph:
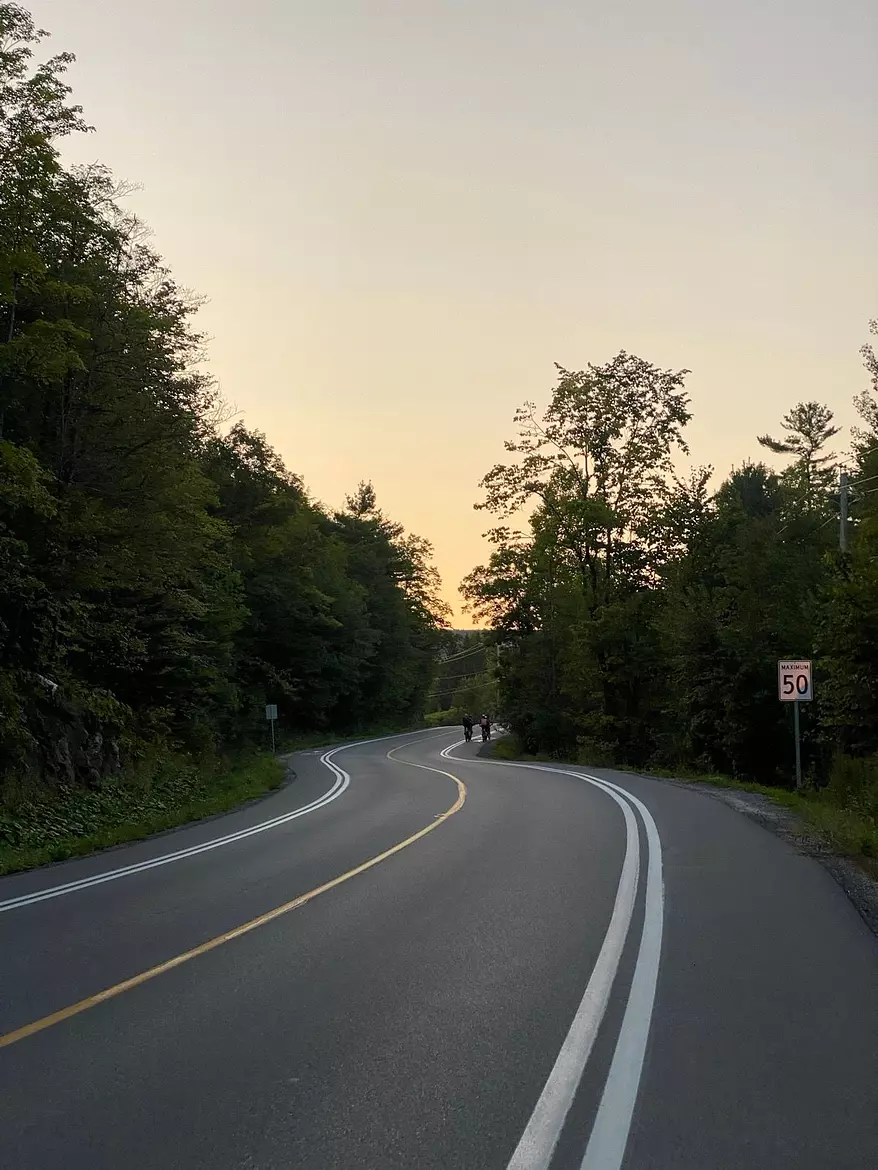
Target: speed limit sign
[794,680]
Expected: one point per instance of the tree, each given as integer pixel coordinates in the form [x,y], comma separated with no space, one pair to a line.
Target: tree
[596,461]
[647,614]
[158,581]
[809,428]
[395,572]
[866,402]
[848,632]
[598,467]
[741,598]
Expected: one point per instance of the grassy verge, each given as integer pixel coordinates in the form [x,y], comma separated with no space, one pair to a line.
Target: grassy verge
[38,829]
[507,748]
[844,830]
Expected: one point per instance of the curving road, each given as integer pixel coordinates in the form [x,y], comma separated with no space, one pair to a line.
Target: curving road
[415,957]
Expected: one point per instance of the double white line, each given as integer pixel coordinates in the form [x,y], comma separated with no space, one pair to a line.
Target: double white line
[342,780]
[609,1135]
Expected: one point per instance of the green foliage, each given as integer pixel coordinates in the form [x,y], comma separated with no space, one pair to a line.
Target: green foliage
[166,791]
[448,718]
[809,428]
[462,665]
[160,580]
[854,785]
[848,627]
[573,593]
[643,616]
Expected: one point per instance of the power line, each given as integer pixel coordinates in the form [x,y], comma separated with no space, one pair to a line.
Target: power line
[462,680]
[443,694]
[461,653]
[829,520]
[451,677]
[464,653]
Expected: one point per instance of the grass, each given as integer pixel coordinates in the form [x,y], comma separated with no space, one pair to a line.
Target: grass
[507,749]
[75,822]
[846,831]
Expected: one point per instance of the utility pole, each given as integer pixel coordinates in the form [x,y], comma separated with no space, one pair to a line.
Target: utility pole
[843,512]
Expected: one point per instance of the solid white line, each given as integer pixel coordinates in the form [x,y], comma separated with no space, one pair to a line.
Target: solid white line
[609,1138]
[609,1135]
[537,1145]
[342,780]
[450,748]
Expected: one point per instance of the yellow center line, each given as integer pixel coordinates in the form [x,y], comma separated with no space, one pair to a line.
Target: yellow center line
[127,984]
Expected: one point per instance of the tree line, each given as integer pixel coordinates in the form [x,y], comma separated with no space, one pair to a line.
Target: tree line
[162,576]
[641,614]
[463,681]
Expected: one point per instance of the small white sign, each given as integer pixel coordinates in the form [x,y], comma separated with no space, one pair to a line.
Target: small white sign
[271,711]
[794,680]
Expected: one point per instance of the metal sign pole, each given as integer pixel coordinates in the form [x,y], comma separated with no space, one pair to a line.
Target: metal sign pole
[271,716]
[272,729]
[798,744]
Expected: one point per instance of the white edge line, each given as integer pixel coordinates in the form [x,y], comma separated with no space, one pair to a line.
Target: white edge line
[537,1144]
[612,1125]
[342,780]
[451,747]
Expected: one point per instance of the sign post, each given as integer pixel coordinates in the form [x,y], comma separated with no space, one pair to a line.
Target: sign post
[271,716]
[794,686]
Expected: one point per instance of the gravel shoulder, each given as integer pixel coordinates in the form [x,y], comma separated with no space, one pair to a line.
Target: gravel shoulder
[856,883]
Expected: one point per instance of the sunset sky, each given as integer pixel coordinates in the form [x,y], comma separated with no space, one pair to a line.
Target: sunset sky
[403,213]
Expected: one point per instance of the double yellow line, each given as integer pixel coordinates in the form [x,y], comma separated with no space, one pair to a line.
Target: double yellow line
[178,960]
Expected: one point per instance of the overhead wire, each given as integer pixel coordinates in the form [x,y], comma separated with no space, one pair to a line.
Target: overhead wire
[464,653]
[452,677]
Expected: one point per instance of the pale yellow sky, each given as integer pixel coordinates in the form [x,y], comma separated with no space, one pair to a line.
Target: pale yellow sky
[403,213]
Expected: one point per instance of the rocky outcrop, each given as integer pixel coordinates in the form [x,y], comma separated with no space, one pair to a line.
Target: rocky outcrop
[71,746]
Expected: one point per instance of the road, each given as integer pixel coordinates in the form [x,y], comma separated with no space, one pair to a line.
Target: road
[408,959]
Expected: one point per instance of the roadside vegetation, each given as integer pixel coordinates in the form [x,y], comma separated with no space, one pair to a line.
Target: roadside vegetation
[464,680]
[638,615]
[163,574]
[39,825]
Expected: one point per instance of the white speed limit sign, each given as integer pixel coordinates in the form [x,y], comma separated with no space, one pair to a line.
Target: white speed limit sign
[794,680]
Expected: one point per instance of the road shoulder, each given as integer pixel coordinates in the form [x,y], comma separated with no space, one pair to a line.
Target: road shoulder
[860,888]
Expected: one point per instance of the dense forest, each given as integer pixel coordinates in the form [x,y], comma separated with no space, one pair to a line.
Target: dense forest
[640,615]
[163,575]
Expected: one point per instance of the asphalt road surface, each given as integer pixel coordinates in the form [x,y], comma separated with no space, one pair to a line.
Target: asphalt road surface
[432,960]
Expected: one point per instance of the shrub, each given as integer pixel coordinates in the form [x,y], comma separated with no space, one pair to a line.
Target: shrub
[853,784]
[443,718]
